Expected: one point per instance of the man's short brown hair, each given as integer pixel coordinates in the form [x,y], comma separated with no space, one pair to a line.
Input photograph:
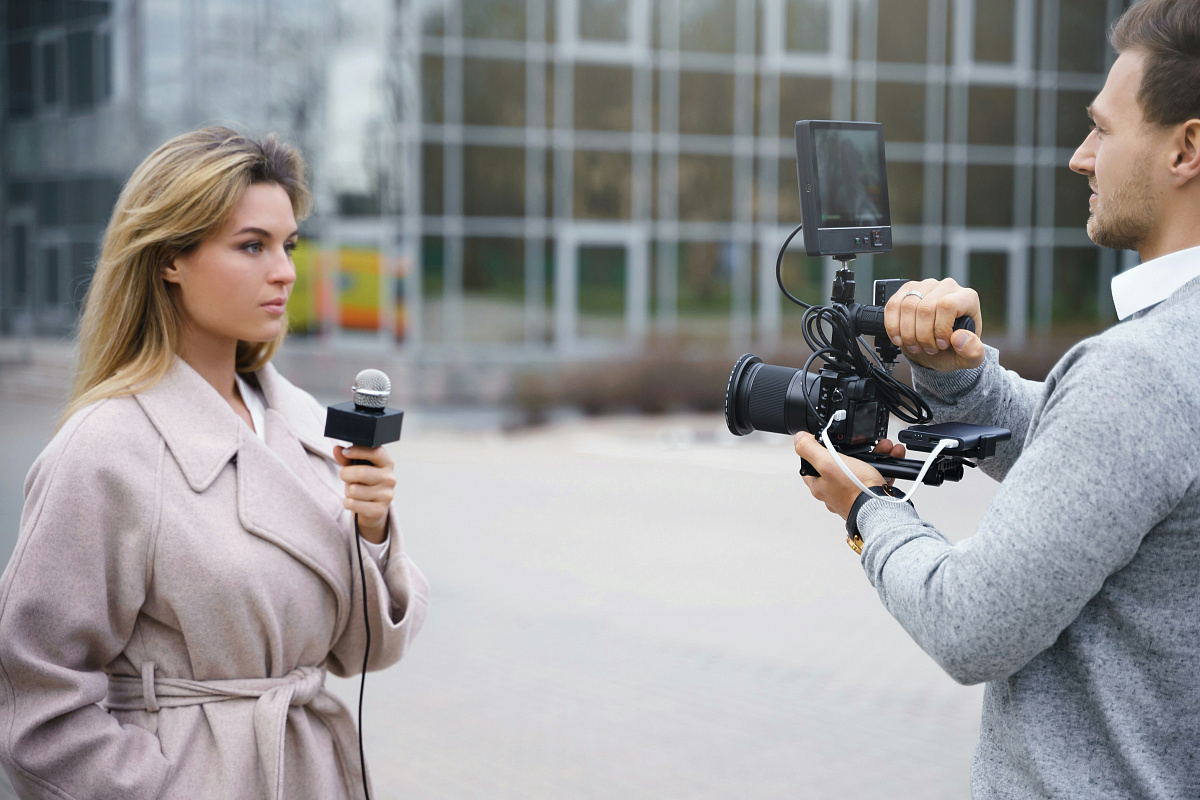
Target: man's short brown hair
[1168,32]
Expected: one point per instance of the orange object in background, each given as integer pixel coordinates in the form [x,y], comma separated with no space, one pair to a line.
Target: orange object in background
[356,297]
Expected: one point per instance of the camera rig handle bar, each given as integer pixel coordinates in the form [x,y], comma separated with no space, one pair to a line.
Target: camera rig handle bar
[868,320]
[946,468]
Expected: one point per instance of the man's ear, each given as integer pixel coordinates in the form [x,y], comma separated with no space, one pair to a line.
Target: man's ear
[1187,152]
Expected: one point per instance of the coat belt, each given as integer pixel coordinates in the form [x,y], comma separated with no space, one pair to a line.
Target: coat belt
[303,686]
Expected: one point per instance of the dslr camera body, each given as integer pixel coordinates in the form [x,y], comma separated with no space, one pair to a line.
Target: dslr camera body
[843,194]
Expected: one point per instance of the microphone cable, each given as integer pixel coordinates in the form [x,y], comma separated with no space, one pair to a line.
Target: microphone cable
[362,574]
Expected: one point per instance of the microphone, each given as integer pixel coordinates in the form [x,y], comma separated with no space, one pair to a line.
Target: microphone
[366,420]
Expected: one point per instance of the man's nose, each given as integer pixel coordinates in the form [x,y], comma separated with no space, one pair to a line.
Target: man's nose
[1084,159]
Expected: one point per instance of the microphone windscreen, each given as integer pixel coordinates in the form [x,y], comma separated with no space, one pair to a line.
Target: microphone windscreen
[372,389]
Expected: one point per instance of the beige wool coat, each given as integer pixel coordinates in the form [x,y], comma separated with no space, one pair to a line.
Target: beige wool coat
[178,590]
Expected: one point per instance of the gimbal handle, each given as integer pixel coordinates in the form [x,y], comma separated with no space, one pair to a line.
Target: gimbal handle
[945,468]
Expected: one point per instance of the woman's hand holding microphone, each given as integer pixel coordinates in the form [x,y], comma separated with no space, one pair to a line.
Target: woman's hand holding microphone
[369,488]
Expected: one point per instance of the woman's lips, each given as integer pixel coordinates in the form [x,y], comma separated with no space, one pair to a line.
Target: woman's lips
[275,306]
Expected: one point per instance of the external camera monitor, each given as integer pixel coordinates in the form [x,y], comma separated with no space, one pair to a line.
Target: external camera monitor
[843,187]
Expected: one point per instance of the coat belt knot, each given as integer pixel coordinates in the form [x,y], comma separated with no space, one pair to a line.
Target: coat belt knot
[303,686]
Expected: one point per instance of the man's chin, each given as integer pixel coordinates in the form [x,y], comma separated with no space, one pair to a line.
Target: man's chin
[1105,236]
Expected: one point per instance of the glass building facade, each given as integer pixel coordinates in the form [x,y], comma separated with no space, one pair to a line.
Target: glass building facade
[531,178]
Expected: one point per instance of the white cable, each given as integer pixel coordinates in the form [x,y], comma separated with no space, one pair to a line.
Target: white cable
[840,415]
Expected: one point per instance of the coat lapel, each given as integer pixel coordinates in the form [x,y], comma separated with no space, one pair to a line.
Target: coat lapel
[280,497]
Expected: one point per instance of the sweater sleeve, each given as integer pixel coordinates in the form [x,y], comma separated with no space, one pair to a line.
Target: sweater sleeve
[69,602]
[986,395]
[1099,470]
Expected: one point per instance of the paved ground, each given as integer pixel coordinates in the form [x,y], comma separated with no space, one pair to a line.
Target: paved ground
[637,608]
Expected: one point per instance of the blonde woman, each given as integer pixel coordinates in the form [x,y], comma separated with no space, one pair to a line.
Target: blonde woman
[183,577]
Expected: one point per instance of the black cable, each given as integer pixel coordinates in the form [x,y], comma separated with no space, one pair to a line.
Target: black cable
[779,268]
[362,574]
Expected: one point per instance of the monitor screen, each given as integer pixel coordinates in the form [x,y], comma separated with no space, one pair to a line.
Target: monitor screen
[850,176]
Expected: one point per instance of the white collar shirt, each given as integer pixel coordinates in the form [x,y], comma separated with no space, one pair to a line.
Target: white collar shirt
[1150,283]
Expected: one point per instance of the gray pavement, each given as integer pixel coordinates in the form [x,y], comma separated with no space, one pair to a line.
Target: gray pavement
[637,608]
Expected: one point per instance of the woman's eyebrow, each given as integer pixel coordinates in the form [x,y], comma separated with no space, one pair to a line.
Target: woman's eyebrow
[264,233]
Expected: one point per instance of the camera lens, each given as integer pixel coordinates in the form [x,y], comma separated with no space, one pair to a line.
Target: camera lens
[764,397]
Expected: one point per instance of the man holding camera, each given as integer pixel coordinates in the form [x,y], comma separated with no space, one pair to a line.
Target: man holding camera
[1078,600]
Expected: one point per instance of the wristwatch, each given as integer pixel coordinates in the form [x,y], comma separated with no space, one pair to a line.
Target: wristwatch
[852,536]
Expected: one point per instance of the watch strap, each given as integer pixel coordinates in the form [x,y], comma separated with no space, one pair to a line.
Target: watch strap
[853,538]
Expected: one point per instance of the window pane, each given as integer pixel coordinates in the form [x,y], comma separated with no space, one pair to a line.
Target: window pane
[989,196]
[992,113]
[703,281]
[604,19]
[603,98]
[987,274]
[104,75]
[20,78]
[994,31]
[602,275]
[47,199]
[493,92]
[81,70]
[903,261]
[708,26]
[807,26]
[50,276]
[433,98]
[788,209]
[50,74]
[906,191]
[803,98]
[1076,284]
[901,109]
[494,181]
[1082,35]
[602,185]
[902,31]
[432,180]
[1071,193]
[494,19]
[706,103]
[20,265]
[494,289]
[1073,124]
[705,188]
[433,267]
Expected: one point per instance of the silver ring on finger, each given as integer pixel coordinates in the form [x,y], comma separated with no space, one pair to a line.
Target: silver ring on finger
[914,291]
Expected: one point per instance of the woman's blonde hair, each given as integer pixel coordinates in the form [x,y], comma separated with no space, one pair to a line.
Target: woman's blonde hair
[131,329]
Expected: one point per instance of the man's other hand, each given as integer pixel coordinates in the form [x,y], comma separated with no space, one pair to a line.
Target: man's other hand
[923,327]
[833,488]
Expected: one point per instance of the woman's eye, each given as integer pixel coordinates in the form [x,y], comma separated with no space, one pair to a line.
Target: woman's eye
[290,247]
[253,247]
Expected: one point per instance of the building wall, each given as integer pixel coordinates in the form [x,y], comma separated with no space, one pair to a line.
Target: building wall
[559,178]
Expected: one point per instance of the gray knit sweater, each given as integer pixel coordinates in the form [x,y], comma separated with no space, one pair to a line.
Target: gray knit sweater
[1078,598]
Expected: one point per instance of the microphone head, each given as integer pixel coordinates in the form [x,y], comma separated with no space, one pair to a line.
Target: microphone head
[372,389]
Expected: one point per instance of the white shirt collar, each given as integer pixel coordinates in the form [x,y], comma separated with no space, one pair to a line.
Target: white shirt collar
[1150,283]
[255,404]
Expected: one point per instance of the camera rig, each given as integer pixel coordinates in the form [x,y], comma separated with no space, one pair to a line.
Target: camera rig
[843,190]
[857,382]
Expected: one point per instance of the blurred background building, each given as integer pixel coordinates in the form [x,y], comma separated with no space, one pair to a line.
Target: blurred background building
[560,181]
